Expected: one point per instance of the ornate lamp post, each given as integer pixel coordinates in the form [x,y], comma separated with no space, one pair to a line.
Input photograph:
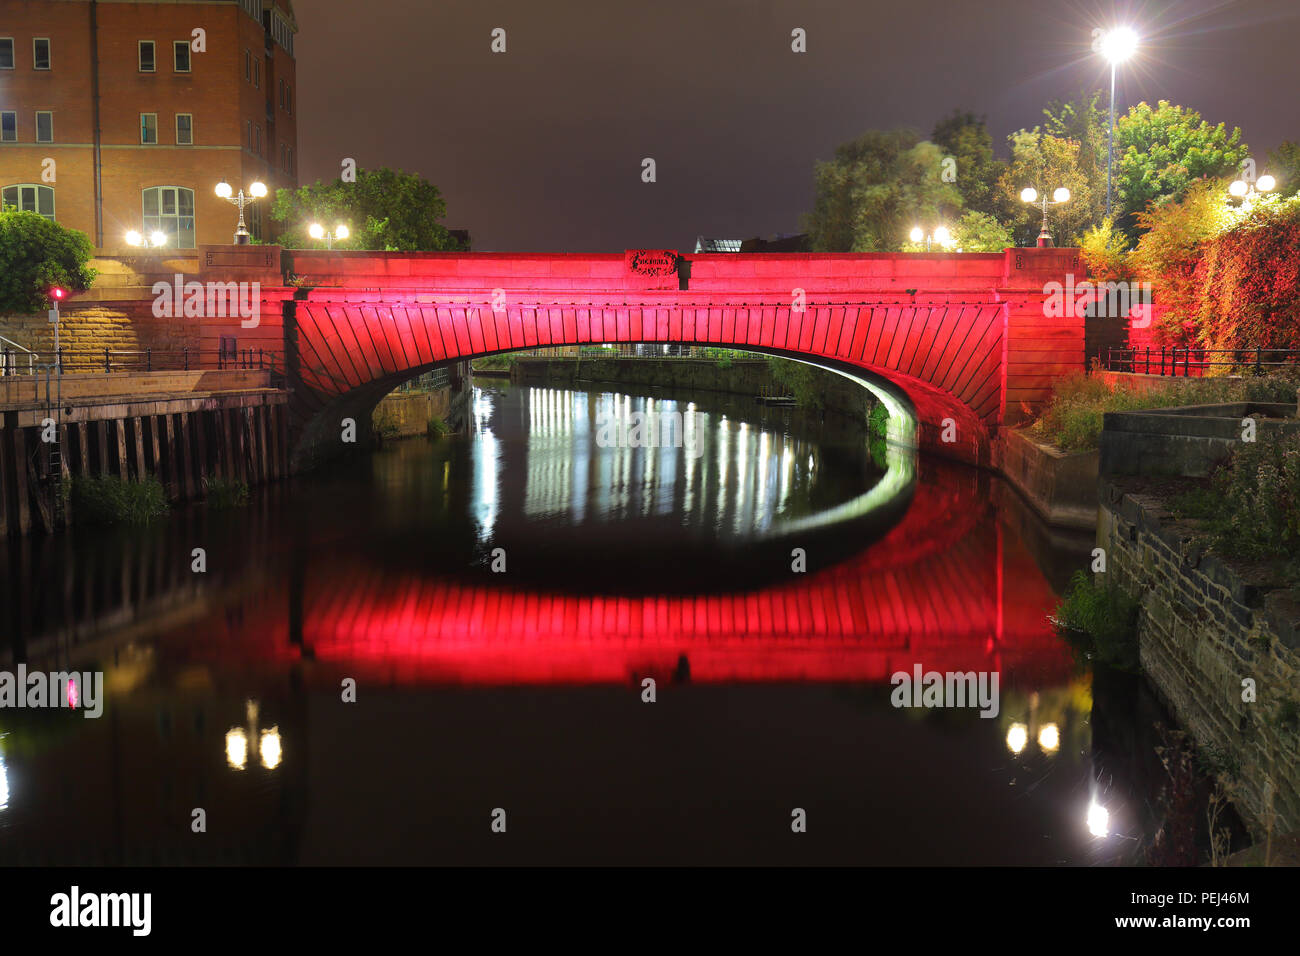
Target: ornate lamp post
[317,232]
[256,191]
[154,240]
[940,236]
[1030,195]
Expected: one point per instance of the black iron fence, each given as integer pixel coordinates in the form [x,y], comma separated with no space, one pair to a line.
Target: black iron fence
[86,361]
[1192,362]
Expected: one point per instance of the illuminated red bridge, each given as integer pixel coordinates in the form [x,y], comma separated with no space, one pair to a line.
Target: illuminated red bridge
[956,340]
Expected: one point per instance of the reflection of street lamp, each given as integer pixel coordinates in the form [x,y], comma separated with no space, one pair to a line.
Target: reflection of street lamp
[1115,45]
[317,232]
[153,240]
[941,236]
[269,748]
[1030,195]
[255,191]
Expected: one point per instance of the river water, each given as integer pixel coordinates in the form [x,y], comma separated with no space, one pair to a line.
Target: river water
[392,659]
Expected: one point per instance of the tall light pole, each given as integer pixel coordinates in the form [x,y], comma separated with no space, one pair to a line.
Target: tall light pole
[317,232]
[941,236]
[255,191]
[1115,45]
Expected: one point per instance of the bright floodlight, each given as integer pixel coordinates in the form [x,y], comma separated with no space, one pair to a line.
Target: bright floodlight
[257,190]
[942,235]
[1017,737]
[341,231]
[224,190]
[1061,195]
[1119,44]
[1238,188]
[1029,194]
[134,238]
[1049,738]
[158,238]
[1265,183]
[916,235]
[316,231]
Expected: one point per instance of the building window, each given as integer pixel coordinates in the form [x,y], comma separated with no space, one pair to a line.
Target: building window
[8,127]
[41,53]
[281,94]
[184,129]
[288,99]
[253,219]
[45,127]
[248,66]
[257,73]
[253,8]
[249,126]
[170,210]
[257,133]
[29,197]
[147,61]
[6,53]
[149,128]
[181,55]
[291,168]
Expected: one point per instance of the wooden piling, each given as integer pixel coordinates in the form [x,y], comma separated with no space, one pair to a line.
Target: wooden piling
[141,470]
[206,467]
[155,444]
[120,428]
[173,460]
[21,493]
[187,458]
[101,442]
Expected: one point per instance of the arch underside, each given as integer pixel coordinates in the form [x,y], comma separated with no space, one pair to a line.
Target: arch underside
[937,368]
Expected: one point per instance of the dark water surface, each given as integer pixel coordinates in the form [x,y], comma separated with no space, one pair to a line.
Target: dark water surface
[520,689]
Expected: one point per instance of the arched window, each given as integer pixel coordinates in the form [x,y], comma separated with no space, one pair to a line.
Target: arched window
[170,209]
[30,197]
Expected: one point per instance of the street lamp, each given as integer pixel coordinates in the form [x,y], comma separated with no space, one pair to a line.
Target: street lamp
[1030,195]
[255,191]
[940,236]
[154,240]
[1115,45]
[317,232]
[1247,188]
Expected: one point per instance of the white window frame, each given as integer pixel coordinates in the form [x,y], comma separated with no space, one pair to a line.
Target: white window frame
[139,56]
[13,54]
[49,54]
[143,141]
[14,114]
[177,45]
[39,114]
[38,187]
[178,129]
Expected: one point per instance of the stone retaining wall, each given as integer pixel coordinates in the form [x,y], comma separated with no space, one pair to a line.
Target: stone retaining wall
[1204,628]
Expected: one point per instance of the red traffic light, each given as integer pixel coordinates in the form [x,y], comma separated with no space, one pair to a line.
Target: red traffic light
[57,294]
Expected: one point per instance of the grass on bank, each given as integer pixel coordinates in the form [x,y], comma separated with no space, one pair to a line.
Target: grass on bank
[1072,419]
[1099,621]
[108,500]
[221,493]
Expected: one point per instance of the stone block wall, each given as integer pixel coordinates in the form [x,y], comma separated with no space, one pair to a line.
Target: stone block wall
[1203,629]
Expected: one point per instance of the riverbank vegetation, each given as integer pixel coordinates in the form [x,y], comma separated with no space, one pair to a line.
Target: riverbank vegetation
[222,493]
[108,500]
[1099,622]
[1072,419]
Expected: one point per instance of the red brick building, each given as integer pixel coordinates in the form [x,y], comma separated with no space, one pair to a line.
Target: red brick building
[118,116]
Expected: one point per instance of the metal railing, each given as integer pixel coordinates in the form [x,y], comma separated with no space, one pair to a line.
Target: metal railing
[624,350]
[11,347]
[1191,362]
[83,361]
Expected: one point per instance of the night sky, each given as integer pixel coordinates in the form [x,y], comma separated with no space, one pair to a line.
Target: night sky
[540,148]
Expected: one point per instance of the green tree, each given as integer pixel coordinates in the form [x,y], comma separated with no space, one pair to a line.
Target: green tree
[1160,152]
[1085,120]
[35,255]
[965,137]
[1047,163]
[1104,250]
[878,186]
[384,209]
[981,232]
[1284,165]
